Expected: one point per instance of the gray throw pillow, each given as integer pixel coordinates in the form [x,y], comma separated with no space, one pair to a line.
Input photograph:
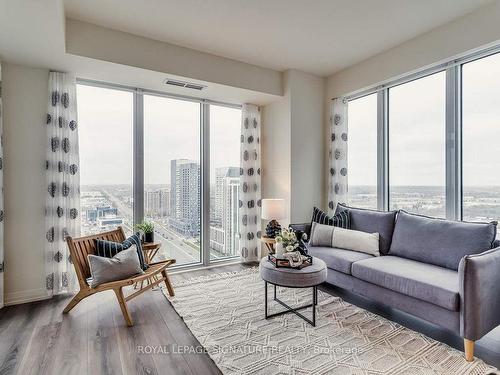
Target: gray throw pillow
[372,221]
[121,266]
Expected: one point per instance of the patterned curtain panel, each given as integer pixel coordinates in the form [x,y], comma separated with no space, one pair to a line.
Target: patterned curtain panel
[1,198]
[250,187]
[63,182]
[337,186]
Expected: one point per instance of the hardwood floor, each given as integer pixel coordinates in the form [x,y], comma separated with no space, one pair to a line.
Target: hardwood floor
[35,338]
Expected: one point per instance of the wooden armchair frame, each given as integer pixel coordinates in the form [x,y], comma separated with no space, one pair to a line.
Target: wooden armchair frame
[80,248]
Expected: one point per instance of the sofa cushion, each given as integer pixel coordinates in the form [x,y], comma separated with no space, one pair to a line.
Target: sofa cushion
[438,241]
[372,221]
[337,259]
[426,282]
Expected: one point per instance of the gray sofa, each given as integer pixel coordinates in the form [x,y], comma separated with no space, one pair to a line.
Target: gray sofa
[445,272]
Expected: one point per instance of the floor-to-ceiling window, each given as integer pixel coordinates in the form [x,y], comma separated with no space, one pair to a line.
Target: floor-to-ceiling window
[362,154]
[144,157]
[172,179]
[224,181]
[417,156]
[437,140]
[481,135]
[105,118]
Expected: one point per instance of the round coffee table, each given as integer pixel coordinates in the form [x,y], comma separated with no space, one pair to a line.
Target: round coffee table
[307,277]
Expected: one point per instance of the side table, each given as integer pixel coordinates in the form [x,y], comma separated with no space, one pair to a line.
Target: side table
[270,242]
[150,249]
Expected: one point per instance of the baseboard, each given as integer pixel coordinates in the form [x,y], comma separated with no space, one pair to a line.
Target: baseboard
[16,298]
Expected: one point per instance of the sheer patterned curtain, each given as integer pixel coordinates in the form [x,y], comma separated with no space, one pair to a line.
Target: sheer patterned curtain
[337,186]
[63,182]
[250,187]
[1,198]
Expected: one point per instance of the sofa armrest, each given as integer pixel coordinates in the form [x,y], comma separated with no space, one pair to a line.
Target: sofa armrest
[302,227]
[479,283]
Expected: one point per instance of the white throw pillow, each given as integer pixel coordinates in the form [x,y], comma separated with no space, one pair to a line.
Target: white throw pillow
[356,240]
[328,236]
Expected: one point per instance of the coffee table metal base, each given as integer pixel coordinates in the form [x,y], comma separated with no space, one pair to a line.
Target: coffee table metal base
[293,309]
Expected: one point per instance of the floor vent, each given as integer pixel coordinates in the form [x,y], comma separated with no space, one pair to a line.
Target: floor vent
[187,85]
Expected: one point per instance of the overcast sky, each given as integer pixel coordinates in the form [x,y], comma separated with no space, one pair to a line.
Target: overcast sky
[171,131]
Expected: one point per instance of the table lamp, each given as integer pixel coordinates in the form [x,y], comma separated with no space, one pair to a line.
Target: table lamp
[273,209]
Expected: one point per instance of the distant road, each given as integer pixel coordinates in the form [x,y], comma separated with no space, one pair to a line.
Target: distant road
[173,245]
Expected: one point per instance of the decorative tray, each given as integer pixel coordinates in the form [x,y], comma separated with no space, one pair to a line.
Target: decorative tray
[284,263]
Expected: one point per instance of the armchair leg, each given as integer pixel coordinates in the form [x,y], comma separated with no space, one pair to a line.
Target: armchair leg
[168,284]
[75,300]
[123,306]
[469,350]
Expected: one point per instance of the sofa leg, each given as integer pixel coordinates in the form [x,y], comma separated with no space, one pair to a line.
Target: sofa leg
[469,350]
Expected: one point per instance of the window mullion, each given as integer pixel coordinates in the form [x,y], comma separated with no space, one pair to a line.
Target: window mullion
[382,150]
[138,158]
[205,183]
[453,143]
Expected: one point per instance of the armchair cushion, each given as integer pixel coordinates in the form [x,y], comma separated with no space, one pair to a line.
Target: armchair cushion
[122,266]
[110,249]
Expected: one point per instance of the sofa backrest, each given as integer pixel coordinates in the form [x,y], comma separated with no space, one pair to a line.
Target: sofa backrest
[372,221]
[438,241]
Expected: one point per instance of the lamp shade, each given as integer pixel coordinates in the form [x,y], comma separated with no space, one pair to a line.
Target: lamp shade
[273,209]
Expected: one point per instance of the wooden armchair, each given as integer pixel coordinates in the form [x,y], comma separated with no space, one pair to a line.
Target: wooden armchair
[81,247]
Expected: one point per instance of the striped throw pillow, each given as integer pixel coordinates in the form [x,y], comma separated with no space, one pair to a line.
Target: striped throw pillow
[109,249]
[341,219]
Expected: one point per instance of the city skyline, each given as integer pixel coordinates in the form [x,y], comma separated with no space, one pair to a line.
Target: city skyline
[174,209]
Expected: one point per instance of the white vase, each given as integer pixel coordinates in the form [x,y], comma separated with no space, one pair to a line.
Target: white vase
[280,250]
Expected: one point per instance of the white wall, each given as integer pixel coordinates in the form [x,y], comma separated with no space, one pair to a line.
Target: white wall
[292,148]
[85,39]
[307,93]
[24,97]
[276,150]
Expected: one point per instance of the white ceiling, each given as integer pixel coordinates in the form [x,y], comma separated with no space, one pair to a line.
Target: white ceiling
[316,36]
[32,34]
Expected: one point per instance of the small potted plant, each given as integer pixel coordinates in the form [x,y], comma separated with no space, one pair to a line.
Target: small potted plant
[148,229]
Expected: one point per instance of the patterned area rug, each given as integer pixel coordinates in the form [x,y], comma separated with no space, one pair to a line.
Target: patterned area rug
[226,314]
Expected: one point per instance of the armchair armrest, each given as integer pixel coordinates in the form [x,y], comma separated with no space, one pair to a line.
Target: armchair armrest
[479,283]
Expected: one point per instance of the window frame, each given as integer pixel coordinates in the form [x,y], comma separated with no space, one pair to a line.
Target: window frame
[453,128]
[138,160]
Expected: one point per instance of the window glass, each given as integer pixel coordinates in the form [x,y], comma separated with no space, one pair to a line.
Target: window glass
[481,134]
[417,174]
[362,155]
[172,177]
[225,130]
[105,118]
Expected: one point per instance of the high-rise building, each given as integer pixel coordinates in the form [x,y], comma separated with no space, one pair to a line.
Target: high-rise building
[220,174]
[185,186]
[157,202]
[224,230]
